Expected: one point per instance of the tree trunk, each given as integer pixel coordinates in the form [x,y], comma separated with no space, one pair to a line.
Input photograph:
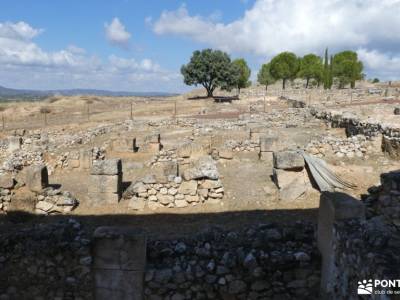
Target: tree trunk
[308,80]
[283,83]
[209,92]
[266,88]
[353,84]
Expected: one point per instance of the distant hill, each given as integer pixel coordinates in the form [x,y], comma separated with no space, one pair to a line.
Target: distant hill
[7,93]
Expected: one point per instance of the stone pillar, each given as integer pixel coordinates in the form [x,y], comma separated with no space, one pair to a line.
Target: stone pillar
[85,159]
[153,143]
[14,143]
[119,263]
[37,178]
[268,145]
[105,182]
[333,207]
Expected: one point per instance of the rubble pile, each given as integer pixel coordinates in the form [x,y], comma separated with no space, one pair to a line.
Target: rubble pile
[54,201]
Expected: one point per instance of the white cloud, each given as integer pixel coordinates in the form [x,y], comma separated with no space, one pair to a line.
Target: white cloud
[131,64]
[17,48]
[117,34]
[272,26]
[24,64]
[378,64]
[19,31]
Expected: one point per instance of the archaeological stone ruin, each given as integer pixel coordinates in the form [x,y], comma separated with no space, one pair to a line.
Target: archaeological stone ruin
[266,197]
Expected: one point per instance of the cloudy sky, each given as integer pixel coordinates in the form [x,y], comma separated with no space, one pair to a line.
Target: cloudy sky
[140,45]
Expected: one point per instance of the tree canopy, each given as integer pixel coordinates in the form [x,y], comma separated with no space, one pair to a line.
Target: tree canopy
[311,68]
[245,72]
[347,68]
[211,69]
[284,66]
[264,76]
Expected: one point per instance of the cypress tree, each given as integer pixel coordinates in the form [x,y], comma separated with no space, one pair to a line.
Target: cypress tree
[326,70]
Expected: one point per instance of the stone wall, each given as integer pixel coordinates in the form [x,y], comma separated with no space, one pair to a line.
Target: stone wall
[58,261]
[45,262]
[367,249]
[267,261]
[197,183]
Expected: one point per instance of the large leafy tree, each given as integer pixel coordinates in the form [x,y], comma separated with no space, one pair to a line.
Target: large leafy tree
[264,76]
[284,66]
[211,69]
[245,72]
[311,68]
[347,68]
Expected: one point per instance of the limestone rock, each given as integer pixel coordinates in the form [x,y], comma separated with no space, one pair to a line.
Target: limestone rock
[107,167]
[136,203]
[188,187]
[6,181]
[288,160]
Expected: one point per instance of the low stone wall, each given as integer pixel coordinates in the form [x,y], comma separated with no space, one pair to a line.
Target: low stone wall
[175,193]
[58,261]
[45,262]
[370,128]
[267,261]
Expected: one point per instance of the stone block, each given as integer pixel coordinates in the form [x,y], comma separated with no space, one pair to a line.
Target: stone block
[210,184]
[37,178]
[184,150]
[154,138]
[199,151]
[98,199]
[225,153]
[136,203]
[164,170]
[85,158]
[111,166]
[258,131]
[104,183]
[333,207]
[268,143]
[194,198]
[204,167]
[120,248]
[267,156]
[288,160]
[188,188]
[153,147]
[74,163]
[6,181]
[119,263]
[291,184]
[118,284]
[14,143]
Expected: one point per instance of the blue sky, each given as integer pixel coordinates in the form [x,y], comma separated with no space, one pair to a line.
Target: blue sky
[140,45]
